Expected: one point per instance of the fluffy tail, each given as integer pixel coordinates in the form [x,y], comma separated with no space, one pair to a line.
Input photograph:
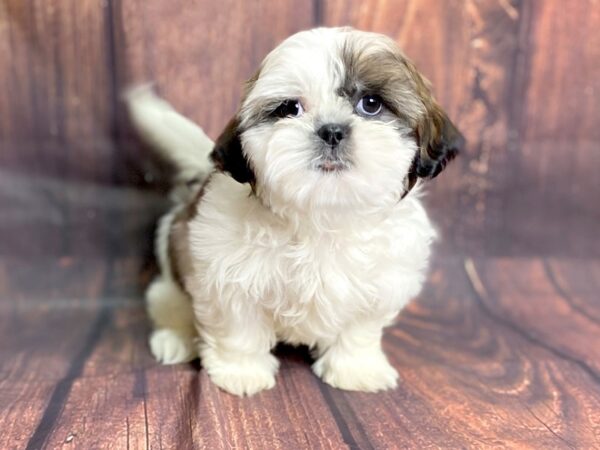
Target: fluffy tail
[175,137]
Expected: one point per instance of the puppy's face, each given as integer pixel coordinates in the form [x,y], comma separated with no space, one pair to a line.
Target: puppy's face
[336,118]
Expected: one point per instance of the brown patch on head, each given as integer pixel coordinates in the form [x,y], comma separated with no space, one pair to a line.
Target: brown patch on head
[375,65]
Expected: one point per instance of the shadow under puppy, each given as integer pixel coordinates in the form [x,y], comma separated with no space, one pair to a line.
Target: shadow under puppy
[303,222]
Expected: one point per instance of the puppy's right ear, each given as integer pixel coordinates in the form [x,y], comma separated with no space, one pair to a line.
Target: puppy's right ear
[228,155]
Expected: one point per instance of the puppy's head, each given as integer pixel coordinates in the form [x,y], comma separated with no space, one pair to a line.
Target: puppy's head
[336,118]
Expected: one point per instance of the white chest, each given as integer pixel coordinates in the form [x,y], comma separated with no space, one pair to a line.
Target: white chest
[310,283]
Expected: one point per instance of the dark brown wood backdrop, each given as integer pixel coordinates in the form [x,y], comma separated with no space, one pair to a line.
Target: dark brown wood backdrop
[521,78]
[499,351]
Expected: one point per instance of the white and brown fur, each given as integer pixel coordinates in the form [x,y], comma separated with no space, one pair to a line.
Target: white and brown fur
[271,245]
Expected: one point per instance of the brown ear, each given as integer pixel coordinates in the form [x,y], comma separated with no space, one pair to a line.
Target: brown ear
[439,141]
[228,155]
[438,138]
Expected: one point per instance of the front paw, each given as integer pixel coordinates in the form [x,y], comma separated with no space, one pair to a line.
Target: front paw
[240,374]
[367,372]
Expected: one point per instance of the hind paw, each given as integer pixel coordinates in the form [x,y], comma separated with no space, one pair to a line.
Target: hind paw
[170,347]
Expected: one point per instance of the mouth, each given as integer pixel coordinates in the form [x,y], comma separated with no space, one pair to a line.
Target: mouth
[330,165]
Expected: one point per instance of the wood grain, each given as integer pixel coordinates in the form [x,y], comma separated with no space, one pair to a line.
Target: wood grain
[491,355]
[56,115]
[23,404]
[578,283]
[43,216]
[56,111]
[520,293]
[549,174]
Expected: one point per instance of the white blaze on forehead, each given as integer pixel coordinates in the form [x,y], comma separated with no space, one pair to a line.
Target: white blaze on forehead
[307,66]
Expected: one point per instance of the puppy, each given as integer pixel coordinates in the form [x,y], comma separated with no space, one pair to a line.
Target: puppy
[303,222]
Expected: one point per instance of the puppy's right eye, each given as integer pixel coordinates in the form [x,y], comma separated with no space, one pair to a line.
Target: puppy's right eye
[289,108]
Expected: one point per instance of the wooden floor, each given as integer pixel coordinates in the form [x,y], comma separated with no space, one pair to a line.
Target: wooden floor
[495,353]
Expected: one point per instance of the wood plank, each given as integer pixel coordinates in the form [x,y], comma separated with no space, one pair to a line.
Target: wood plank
[43,217]
[100,412]
[521,293]
[56,118]
[499,361]
[100,301]
[57,88]
[47,314]
[578,282]
[21,408]
[292,415]
[50,320]
[549,171]
[76,327]
[519,297]
[174,407]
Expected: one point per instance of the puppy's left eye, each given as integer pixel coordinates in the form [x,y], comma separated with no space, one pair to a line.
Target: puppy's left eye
[289,108]
[369,105]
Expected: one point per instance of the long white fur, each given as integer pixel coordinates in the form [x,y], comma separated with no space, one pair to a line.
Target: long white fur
[325,260]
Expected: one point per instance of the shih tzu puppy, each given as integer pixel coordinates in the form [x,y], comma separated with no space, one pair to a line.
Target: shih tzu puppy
[302,223]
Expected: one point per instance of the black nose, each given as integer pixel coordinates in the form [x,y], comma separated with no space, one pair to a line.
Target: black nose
[333,133]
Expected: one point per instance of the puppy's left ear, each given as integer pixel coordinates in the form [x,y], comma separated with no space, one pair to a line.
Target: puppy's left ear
[228,154]
[439,141]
